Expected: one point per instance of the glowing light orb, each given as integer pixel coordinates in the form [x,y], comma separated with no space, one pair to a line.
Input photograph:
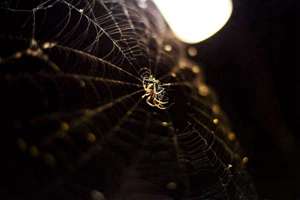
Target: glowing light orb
[193,21]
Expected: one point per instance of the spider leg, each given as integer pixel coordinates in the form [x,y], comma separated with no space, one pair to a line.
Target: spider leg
[147,94]
[149,103]
[160,91]
[161,107]
[160,102]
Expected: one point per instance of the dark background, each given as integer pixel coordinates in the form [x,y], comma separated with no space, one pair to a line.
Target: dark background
[253,64]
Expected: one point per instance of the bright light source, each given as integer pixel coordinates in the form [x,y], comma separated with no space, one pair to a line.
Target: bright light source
[195,20]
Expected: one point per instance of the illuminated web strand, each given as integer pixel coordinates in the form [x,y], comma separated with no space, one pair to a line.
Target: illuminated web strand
[99,79]
[92,57]
[121,28]
[92,150]
[126,11]
[106,34]
[213,134]
[202,162]
[44,6]
[91,113]
[86,114]
[183,83]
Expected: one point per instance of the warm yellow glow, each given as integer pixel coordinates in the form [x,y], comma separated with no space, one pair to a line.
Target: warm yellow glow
[195,20]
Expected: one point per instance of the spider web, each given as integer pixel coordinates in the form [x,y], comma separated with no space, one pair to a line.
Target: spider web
[72,84]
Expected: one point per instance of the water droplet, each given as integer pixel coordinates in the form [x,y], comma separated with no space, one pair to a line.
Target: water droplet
[91,137]
[96,195]
[35,52]
[203,90]
[192,51]
[82,83]
[34,151]
[65,126]
[231,136]
[245,160]
[33,43]
[195,69]
[18,55]
[46,45]
[172,186]
[165,123]
[216,121]
[216,109]
[168,48]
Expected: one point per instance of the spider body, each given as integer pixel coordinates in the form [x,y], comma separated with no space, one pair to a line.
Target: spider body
[155,94]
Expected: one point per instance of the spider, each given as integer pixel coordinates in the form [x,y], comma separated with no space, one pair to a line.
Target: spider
[155,93]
